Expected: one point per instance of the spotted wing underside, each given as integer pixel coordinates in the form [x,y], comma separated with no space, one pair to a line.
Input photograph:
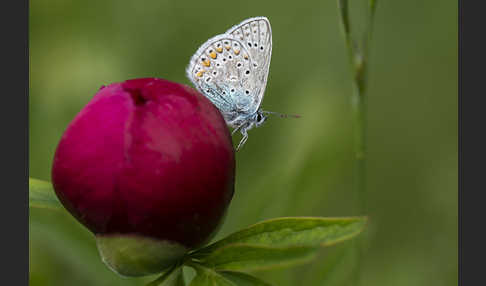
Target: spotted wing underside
[256,34]
[231,69]
[222,70]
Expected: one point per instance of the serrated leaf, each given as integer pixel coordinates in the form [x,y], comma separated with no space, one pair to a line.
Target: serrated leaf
[256,257]
[243,279]
[172,277]
[209,277]
[41,195]
[292,231]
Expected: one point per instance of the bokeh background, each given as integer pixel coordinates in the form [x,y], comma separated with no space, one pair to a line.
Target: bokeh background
[288,167]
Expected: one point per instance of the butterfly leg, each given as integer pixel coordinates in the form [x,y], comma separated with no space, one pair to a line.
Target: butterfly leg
[238,125]
[243,140]
[236,129]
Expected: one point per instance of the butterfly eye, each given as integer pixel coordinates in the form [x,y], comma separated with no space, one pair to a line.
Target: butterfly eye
[259,117]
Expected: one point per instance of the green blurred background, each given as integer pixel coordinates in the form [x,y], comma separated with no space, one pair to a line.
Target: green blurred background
[288,167]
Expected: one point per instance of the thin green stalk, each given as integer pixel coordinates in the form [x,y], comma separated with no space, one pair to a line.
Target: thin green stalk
[358,56]
[358,105]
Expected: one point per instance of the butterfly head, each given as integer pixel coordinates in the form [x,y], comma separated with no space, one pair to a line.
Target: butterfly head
[259,118]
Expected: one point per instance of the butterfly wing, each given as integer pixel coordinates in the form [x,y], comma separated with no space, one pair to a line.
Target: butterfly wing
[256,35]
[222,69]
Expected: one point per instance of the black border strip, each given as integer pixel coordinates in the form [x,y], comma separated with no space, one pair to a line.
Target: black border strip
[459,143]
[14,211]
[472,143]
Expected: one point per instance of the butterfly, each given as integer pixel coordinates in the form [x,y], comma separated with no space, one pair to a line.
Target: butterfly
[231,70]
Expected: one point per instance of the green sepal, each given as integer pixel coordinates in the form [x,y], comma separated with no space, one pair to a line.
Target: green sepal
[134,255]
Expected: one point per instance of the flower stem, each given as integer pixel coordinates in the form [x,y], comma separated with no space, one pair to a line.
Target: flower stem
[358,56]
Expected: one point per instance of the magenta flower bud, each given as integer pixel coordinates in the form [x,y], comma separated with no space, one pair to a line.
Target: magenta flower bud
[148,166]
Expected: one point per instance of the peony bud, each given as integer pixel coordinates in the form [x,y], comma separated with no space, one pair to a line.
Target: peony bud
[148,166]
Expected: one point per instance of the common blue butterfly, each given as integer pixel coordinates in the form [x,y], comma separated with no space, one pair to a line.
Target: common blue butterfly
[231,70]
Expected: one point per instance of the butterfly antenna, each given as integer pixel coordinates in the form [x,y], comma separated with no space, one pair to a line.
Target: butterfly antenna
[282,115]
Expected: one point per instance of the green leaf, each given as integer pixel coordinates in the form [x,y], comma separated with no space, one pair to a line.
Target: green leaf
[41,195]
[292,231]
[209,277]
[256,257]
[243,279]
[172,277]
